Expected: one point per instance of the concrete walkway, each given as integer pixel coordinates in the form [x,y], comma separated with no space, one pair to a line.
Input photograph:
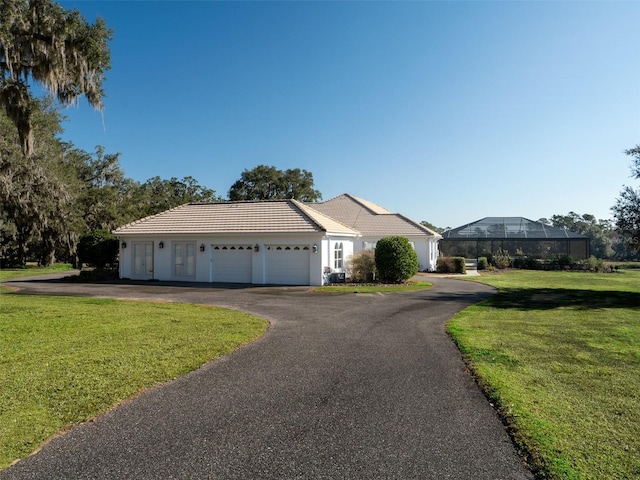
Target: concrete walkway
[340,387]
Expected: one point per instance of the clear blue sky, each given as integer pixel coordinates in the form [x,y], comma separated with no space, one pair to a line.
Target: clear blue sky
[442,111]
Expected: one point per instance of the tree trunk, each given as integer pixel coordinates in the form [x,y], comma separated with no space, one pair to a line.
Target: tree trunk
[21,250]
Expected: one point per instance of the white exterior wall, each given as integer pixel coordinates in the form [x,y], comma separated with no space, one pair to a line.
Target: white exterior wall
[328,253]
[163,262]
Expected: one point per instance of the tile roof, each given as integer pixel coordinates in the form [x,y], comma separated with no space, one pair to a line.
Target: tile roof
[369,218]
[277,216]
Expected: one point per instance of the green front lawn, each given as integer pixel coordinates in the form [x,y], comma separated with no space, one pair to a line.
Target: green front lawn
[9,273]
[64,360]
[559,354]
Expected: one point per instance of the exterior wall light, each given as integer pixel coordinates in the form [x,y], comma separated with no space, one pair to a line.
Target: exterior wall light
[315,248]
[202,247]
[123,244]
[256,248]
[161,244]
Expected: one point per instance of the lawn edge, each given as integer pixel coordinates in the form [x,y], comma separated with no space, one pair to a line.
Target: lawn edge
[522,444]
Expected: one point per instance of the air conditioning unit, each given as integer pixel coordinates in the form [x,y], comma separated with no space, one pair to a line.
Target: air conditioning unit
[337,277]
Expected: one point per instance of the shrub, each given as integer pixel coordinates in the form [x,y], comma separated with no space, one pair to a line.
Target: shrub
[594,264]
[445,265]
[501,259]
[96,275]
[396,260]
[528,263]
[98,249]
[361,266]
[561,262]
[483,263]
[451,265]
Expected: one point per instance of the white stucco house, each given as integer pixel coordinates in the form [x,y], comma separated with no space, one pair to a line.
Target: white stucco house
[281,242]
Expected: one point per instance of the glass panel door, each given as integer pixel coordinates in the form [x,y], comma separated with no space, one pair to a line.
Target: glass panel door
[143,259]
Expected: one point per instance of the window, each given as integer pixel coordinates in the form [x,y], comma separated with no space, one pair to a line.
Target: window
[337,256]
[184,260]
[369,245]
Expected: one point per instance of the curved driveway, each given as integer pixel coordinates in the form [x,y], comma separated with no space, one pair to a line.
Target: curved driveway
[340,387]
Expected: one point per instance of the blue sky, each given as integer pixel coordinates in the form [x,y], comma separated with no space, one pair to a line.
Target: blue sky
[442,111]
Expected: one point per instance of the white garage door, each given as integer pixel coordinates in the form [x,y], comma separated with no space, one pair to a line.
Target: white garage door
[232,263]
[287,264]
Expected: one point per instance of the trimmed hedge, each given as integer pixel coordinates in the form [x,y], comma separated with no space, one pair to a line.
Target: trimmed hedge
[451,265]
[396,260]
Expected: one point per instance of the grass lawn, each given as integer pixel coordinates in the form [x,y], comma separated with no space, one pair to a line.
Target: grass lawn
[559,354]
[373,288]
[8,274]
[64,360]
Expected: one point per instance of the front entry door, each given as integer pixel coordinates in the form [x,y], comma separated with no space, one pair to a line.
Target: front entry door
[143,260]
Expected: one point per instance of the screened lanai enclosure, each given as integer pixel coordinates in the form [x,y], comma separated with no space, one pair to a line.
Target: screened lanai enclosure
[515,235]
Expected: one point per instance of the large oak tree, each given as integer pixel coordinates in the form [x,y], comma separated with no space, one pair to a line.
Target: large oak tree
[36,192]
[268,183]
[56,48]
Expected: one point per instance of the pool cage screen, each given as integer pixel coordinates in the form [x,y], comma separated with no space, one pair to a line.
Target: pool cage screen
[515,235]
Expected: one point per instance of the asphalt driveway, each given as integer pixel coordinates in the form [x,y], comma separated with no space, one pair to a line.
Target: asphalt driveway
[340,387]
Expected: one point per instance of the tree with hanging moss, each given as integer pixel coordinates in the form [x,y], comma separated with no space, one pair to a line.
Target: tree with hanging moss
[56,48]
[37,192]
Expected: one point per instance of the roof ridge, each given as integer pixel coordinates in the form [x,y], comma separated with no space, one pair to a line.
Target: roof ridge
[303,207]
[332,198]
[299,207]
[372,207]
[222,202]
[360,201]
[419,225]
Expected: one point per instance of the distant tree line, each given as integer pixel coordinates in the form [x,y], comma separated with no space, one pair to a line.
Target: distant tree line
[607,242]
[611,239]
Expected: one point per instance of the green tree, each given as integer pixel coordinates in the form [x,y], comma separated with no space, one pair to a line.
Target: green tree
[626,211]
[396,259]
[98,248]
[56,48]
[107,198]
[157,195]
[432,227]
[298,184]
[36,192]
[600,232]
[268,183]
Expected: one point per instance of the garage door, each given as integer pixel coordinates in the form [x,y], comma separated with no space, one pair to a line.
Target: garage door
[232,263]
[287,264]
